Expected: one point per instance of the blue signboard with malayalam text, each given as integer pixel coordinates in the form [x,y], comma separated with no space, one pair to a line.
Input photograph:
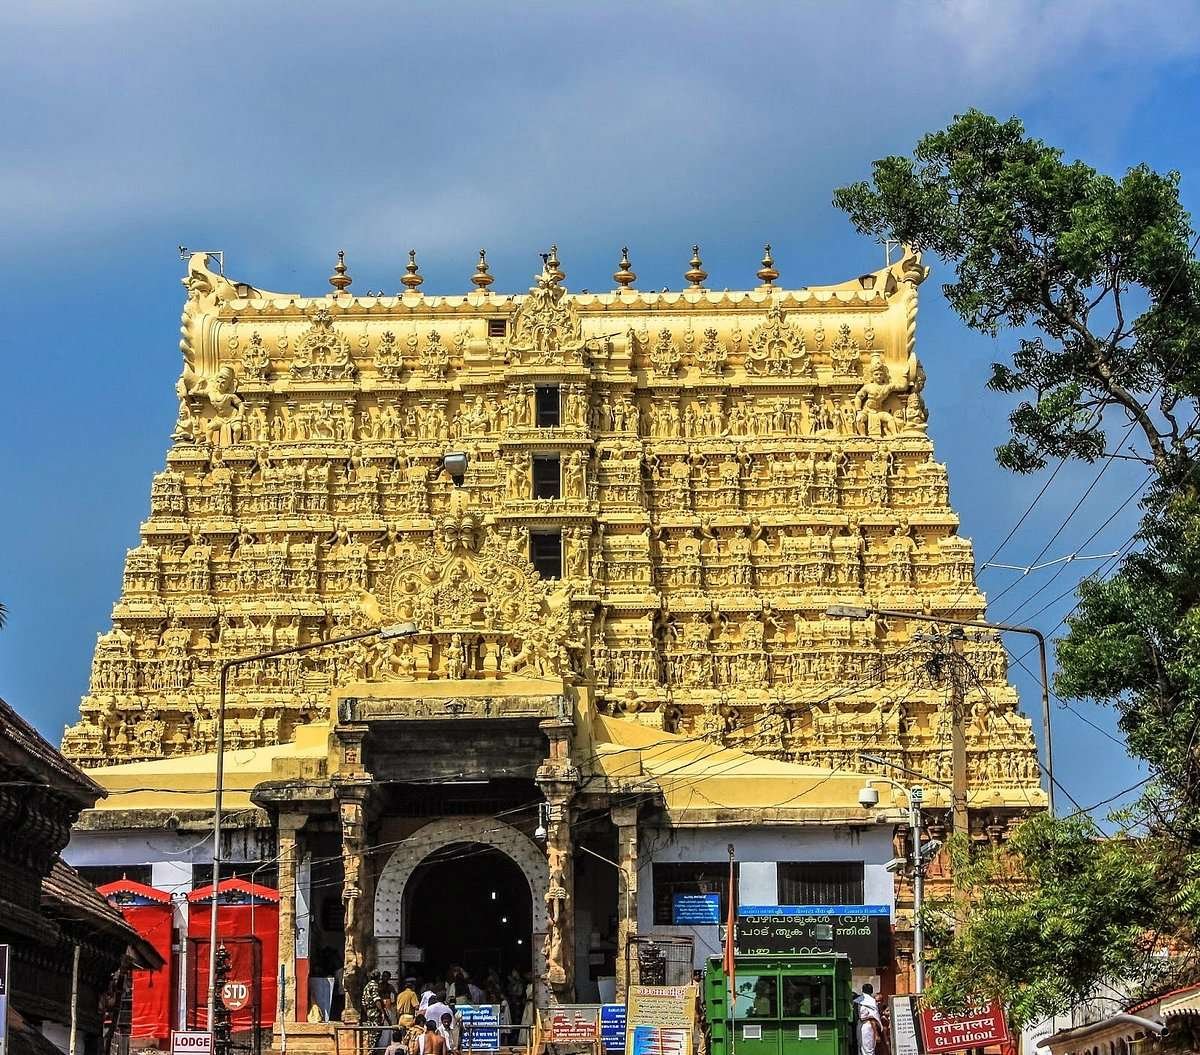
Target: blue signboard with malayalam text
[696,909]
[480,1026]
[612,1027]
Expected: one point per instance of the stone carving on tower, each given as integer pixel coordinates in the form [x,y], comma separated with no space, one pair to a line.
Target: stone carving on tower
[708,470]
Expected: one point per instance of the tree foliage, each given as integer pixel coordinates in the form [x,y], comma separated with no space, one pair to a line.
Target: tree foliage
[1097,280]
[1063,253]
[1069,913]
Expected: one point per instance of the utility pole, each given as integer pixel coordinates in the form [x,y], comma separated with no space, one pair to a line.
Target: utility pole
[915,796]
[958,732]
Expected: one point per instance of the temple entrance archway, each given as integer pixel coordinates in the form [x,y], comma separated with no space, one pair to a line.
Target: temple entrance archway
[430,884]
[470,905]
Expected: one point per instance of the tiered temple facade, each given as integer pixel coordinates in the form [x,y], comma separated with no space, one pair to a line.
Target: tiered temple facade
[664,494]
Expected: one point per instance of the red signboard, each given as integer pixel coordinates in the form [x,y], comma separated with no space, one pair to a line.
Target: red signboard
[572,1024]
[982,1027]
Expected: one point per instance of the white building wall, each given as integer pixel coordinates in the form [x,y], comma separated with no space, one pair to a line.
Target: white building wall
[757,852]
[169,854]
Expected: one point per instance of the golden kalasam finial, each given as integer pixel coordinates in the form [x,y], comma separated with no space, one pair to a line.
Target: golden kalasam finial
[696,273]
[767,273]
[482,277]
[412,278]
[553,266]
[340,279]
[623,276]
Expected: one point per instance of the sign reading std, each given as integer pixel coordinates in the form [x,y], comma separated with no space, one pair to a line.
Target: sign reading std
[981,1027]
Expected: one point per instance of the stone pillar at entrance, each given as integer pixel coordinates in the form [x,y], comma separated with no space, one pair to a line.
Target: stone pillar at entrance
[558,778]
[355,897]
[626,820]
[289,847]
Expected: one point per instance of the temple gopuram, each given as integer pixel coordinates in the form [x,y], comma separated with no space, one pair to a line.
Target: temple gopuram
[617,523]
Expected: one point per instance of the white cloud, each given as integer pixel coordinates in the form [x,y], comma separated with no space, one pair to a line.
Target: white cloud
[457,127]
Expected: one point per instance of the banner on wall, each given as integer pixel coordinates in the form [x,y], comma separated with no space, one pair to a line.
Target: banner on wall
[862,932]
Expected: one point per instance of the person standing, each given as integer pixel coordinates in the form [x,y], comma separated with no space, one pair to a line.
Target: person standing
[431,1042]
[407,1001]
[436,1008]
[451,1029]
[372,1010]
[870,1030]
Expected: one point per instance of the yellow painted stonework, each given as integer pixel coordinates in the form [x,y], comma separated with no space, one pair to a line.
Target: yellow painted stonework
[730,464]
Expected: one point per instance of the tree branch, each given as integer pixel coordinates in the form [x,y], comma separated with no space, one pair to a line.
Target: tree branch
[1102,366]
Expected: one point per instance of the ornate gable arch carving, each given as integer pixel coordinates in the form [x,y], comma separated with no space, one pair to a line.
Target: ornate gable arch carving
[461,592]
[547,328]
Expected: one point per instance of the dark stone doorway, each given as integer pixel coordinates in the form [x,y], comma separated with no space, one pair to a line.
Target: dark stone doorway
[470,905]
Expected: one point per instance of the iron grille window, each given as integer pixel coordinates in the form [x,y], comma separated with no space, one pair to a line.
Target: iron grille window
[548,406]
[820,882]
[704,877]
[547,476]
[545,553]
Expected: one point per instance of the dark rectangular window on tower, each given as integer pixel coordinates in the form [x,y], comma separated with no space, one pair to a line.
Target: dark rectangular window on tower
[820,882]
[497,327]
[547,476]
[549,407]
[545,553]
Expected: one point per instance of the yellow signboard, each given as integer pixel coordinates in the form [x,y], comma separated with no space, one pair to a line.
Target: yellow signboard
[660,1019]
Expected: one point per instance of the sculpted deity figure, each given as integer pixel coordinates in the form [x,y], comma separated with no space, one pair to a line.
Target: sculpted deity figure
[224,426]
[872,418]
[185,423]
[456,660]
[518,478]
[573,476]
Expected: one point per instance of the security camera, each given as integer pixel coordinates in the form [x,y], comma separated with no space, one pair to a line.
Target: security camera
[896,864]
[868,797]
[930,848]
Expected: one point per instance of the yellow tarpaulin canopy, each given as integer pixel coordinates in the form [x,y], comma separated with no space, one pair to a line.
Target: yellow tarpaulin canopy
[189,781]
[697,775]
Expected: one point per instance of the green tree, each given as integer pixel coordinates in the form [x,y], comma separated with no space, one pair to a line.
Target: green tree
[1097,282]
[1062,252]
[1068,912]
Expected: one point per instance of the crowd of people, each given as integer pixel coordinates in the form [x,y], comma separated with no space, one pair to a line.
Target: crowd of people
[422,1017]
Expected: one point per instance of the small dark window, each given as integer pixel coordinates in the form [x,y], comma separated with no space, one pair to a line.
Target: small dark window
[98,875]
[252,872]
[820,882]
[549,413]
[547,478]
[807,996]
[497,327]
[688,878]
[545,552]
[757,996]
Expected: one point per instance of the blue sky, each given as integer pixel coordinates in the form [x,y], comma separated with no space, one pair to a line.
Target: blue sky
[280,133]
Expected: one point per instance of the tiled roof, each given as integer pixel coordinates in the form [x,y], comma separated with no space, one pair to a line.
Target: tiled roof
[66,895]
[17,731]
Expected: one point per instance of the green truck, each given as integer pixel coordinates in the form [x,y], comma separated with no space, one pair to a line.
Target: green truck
[784,1004]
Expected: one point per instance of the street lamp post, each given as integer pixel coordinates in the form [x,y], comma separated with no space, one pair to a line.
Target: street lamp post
[396,630]
[850,611]
[869,798]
